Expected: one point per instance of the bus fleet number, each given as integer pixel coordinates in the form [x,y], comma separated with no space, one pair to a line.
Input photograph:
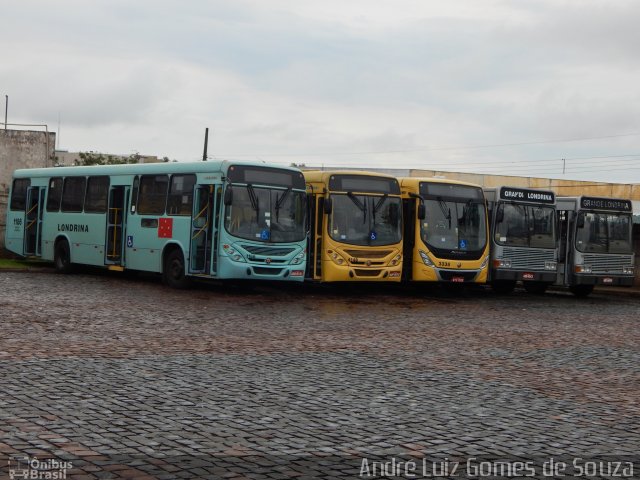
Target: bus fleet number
[444,264]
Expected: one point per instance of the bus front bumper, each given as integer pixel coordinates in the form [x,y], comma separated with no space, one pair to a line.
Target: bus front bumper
[248,271]
[608,280]
[422,273]
[350,273]
[524,275]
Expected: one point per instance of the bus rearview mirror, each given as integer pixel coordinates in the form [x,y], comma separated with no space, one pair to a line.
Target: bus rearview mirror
[422,213]
[499,215]
[580,222]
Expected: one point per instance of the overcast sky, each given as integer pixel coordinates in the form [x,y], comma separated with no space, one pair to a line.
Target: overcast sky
[489,86]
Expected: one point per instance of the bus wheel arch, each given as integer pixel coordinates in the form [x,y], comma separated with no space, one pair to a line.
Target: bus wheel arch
[62,256]
[173,267]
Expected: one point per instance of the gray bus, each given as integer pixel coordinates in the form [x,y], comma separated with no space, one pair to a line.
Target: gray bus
[524,245]
[596,243]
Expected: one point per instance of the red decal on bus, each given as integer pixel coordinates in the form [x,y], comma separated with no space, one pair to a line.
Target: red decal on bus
[165,228]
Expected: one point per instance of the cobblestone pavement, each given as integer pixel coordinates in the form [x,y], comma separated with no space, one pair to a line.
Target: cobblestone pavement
[107,377]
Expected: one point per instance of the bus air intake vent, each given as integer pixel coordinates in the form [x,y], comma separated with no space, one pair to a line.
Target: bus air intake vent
[366,273]
[367,253]
[266,271]
[268,251]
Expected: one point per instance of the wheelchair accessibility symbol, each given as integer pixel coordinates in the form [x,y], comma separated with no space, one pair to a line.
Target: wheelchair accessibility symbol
[129,241]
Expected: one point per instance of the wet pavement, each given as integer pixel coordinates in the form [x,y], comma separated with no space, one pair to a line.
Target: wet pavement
[113,377]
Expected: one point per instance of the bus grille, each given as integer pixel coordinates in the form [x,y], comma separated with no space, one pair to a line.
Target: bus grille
[367,253]
[266,271]
[607,263]
[268,251]
[448,275]
[366,273]
[527,258]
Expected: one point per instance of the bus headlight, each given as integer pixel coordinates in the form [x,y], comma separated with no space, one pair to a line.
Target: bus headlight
[298,258]
[336,257]
[233,253]
[502,263]
[396,259]
[425,259]
[484,262]
[550,266]
[627,270]
[583,269]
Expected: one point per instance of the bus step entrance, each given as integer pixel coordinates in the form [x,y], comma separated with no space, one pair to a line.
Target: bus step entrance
[115,224]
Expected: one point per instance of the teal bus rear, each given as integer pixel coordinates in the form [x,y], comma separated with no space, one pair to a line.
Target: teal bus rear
[219,220]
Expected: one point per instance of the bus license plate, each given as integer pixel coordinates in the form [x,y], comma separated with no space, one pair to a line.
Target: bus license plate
[607,280]
[528,276]
[457,279]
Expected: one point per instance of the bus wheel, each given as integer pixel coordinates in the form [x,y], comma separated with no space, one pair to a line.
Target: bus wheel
[62,257]
[173,270]
[581,291]
[503,287]
[536,288]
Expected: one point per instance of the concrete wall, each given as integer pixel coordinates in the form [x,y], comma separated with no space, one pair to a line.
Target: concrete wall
[21,149]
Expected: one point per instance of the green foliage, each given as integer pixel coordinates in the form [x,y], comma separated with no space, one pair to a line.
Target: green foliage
[96,158]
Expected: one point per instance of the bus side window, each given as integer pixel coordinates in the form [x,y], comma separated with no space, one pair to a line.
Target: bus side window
[19,193]
[180,200]
[96,198]
[152,197]
[73,194]
[54,195]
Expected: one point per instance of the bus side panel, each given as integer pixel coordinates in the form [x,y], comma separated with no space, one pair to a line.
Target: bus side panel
[84,231]
[148,235]
[14,231]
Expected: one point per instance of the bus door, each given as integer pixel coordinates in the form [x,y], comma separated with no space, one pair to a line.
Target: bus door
[116,223]
[204,231]
[316,217]
[33,221]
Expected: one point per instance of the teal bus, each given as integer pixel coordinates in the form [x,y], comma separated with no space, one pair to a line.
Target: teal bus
[214,219]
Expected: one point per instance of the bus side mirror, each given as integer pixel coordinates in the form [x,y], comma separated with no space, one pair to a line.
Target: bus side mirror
[499,215]
[328,205]
[422,211]
[580,222]
[228,196]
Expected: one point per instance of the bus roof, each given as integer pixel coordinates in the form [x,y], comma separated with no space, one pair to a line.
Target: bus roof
[323,175]
[140,168]
[595,203]
[414,182]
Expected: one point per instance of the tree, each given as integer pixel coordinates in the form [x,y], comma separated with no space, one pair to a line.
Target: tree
[97,158]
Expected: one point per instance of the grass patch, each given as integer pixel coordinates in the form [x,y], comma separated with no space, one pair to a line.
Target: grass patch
[22,264]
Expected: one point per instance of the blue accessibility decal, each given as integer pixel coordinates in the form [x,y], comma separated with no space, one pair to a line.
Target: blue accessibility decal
[264,235]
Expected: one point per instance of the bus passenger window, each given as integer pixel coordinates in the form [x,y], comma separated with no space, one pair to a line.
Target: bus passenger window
[73,194]
[180,200]
[152,197]
[19,193]
[97,191]
[55,194]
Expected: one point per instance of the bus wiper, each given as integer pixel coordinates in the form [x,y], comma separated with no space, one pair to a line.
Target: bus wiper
[377,205]
[359,204]
[254,201]
[279,201]
[446,211]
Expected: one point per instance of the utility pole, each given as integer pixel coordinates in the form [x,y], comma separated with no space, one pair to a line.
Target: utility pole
[206,142]
[6,110]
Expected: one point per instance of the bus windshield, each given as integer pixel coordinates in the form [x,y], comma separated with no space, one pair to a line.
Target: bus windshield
[266,214]
[604,233]
[454,225]
[365,219]
[521,225]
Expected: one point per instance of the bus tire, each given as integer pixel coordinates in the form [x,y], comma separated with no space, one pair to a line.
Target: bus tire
[535,288]
[173,270]
[503,287]
[581,291]
[62,257]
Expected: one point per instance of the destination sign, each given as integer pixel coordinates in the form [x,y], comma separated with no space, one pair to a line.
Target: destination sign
[526,195]
[610,204]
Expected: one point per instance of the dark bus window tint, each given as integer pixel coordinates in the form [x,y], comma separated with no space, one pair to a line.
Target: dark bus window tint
[97,191]
[73,194]
[181,195]
[55,194]
[152,196]
[19,193]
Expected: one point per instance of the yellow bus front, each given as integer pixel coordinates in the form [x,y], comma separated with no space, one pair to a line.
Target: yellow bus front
[357,234]
[446,231]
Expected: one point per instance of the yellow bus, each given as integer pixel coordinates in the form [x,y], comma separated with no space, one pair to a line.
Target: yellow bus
[446,231]
[355,226]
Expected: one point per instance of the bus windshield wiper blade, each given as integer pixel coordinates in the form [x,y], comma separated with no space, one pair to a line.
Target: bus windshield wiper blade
[280,200]
[377,205]
[359,204]
[254,201]
[446,211]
